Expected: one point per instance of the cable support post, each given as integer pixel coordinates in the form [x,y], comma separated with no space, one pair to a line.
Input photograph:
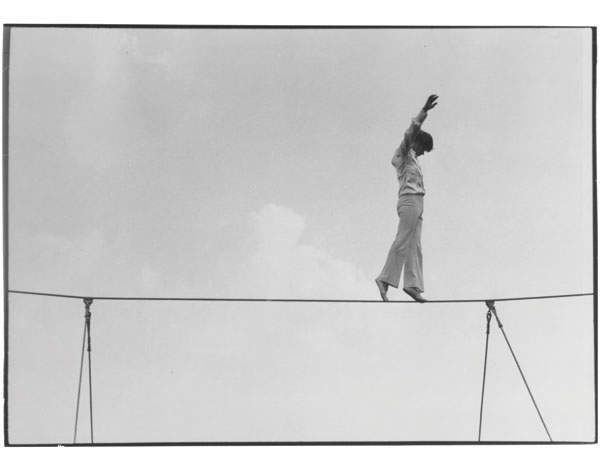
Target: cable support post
[514,356]
[488,318]
[87,301]
[491,305]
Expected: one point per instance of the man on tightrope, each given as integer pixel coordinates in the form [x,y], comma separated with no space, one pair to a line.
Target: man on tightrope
[405,252]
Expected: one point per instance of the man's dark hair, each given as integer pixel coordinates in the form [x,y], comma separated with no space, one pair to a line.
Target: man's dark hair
[425,139]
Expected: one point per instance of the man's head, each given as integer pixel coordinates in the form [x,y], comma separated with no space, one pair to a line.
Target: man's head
[423,142]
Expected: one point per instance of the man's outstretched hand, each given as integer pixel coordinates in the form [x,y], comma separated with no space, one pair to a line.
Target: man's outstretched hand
[431,102]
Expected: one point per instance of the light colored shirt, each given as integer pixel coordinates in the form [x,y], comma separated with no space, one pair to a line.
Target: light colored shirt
[405,161]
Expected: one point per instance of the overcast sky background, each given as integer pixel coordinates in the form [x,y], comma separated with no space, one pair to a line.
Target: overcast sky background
[256,163]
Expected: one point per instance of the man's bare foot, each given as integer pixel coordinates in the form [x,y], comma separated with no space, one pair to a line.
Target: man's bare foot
[415,294]
[383,287]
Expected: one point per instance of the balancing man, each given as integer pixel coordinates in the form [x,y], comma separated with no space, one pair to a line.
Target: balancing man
[405,252]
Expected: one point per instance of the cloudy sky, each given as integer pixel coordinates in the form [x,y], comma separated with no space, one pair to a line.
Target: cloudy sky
[256,163]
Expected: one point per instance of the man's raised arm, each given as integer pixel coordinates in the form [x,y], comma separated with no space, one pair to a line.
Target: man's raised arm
[412,130]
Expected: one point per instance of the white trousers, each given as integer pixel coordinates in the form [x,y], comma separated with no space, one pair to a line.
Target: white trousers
[405,252]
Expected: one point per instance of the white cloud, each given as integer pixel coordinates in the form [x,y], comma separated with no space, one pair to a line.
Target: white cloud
[265,256]
[282,265]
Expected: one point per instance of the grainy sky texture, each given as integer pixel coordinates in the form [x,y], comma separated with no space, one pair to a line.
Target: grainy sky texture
[256,163]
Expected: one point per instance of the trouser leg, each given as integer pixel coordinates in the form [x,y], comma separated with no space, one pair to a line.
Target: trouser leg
[409,214]
[413,269]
